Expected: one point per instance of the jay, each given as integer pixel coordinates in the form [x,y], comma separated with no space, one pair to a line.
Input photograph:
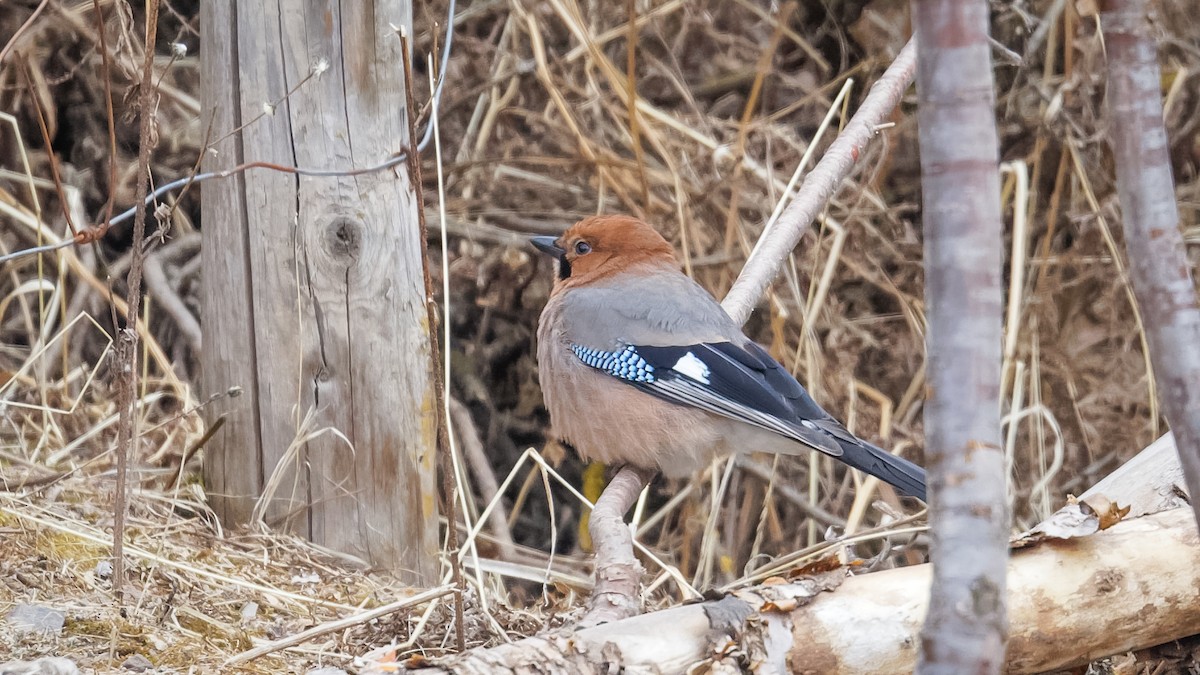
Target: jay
[641,366]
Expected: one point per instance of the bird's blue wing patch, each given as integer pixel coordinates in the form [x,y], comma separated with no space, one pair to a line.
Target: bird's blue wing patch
[624,364]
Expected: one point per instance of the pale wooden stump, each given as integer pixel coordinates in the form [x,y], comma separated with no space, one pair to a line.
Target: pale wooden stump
[313,297]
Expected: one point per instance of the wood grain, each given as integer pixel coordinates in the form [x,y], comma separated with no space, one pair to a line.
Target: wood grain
[313,300]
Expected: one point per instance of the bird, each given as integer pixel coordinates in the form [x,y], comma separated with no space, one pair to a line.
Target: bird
[639,365]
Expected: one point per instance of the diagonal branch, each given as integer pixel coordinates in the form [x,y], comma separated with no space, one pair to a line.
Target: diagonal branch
[778,240]
[617,571]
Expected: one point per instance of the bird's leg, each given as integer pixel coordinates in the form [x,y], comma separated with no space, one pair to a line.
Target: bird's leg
[617,592]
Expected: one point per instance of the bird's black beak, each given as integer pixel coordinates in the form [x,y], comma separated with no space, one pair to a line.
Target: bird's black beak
[549,246]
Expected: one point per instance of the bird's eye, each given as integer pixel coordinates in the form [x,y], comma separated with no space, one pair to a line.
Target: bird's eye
[582,248]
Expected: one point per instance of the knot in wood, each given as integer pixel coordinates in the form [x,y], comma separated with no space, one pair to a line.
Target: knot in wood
[344,237]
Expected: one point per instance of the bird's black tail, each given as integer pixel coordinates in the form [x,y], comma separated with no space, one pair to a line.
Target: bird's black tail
[898,472]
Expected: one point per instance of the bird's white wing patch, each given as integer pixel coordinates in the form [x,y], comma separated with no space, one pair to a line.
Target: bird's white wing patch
[690,365]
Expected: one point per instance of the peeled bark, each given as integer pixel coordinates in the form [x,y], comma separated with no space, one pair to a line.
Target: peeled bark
[1150,482]
[1070,602]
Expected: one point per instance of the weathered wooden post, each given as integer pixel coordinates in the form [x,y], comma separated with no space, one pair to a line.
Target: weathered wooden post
[313,297]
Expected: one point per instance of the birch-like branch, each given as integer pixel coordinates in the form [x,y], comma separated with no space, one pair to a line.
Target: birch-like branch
[1158,263]
[1130,587]
[778,241]
[961,221]
[617,593]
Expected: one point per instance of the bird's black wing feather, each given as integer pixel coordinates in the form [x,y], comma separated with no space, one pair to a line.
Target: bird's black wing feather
[746,384]
[718,377]
[875,461]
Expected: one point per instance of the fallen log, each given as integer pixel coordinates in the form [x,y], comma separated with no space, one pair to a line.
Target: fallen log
[1071,601]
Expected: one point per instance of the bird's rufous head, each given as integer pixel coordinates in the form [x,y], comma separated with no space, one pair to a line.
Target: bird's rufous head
[600,246]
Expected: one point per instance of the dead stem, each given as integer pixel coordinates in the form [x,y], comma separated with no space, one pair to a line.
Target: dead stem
[445,460]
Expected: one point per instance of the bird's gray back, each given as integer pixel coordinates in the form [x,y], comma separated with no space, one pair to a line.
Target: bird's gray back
[669,311]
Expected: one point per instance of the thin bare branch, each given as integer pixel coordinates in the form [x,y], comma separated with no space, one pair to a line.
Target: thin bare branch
[127,341]
[339,625]
[445,459]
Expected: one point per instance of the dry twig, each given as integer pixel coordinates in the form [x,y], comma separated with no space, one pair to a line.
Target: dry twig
[128,339]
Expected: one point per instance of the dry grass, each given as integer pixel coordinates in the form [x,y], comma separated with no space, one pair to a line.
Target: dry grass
[537,130]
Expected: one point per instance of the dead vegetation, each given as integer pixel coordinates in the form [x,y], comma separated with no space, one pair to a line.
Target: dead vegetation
[539,130]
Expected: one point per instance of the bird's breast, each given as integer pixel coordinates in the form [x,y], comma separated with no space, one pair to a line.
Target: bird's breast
[613,422]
